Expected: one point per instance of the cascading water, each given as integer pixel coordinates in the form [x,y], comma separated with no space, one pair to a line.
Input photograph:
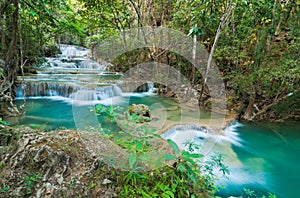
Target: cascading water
[72,80]
[72,58]
[71,51]
[258,159]
[208,138]
[73,75]
[36,90]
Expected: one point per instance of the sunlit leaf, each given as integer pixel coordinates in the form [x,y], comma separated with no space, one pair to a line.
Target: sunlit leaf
[191,155]
[174,146]
[139,145]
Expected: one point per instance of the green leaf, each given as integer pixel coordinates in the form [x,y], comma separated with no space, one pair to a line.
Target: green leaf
[157,135]
[145,194]
[138,146]
[32,13]
[174,146]
[93,185]
[191,155]
[169,157]
[49,11]
[1,70]
[99,108]
[169,193]
[190,160]
[132,160]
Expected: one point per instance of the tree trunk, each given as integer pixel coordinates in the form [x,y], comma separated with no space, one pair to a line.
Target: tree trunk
[248,115]
[194,58]
[10,55]
[223,22]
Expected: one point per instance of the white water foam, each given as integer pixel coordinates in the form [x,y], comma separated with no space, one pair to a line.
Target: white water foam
[72,51]
[197,133]
[77,95]
[224,141]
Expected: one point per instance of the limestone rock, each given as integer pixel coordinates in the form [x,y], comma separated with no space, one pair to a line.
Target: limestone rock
[56,164]
[139,109]
[106,181]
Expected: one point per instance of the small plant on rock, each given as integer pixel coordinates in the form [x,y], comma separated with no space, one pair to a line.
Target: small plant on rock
[29,180]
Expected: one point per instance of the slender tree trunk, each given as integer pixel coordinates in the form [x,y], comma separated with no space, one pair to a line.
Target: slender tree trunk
[2,26]
[10,55]
[223,22]
[249,111]
[21,39]
[194,58]
[270,36]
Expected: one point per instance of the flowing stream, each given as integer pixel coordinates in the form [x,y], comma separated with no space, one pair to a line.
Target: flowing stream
[261,157]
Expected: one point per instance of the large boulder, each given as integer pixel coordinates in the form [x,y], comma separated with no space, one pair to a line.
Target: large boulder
[139,109]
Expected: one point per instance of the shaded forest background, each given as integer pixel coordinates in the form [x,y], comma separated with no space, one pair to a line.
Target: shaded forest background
[257,51]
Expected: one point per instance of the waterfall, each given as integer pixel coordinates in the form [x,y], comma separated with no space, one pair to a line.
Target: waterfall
[70,51]
[39,89]
[201,135]
[85,95]
[71,74]
[136,86]
[230,133]
[150,87]
[46,89]
[91,65]
[65,62]
[183,134]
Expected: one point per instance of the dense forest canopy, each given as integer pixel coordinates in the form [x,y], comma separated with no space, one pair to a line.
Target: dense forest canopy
[257,51]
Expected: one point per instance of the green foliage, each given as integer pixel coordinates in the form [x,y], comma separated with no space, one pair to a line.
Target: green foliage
[285,107]
[111,16]
[30,180]
[107,115]
[1,72]
[5,188]
[271,195]
[248,193]
[183,178]
[2,122]
[196,31]
[174,146]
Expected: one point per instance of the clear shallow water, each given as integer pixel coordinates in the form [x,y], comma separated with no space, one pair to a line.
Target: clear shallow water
[48,113]
[54,112]
[261,157]
[266,160]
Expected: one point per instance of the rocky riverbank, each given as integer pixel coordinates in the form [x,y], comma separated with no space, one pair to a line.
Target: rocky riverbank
[54,164]
[69,163]
[236,107]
